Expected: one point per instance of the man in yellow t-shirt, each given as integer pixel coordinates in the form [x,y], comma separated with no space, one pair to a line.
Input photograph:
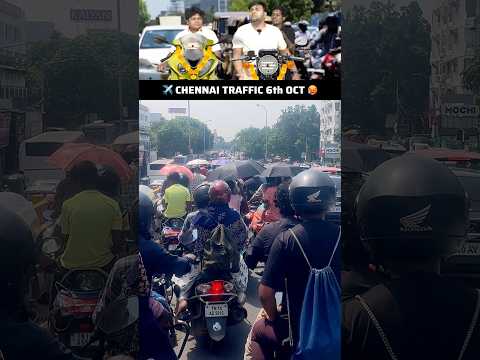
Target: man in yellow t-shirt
[177,198]
[91,224]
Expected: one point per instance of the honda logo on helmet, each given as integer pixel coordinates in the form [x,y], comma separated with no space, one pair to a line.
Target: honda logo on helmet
[416,222]
[314,198]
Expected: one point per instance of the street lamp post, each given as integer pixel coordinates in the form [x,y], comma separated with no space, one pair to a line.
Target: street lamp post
[204,136]
[266,130]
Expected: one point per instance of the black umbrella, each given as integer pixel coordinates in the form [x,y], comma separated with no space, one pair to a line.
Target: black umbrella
[361,158]
[281,170]
[239,169]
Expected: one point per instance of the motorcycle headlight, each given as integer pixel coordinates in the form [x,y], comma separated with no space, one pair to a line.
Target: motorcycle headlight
[203,289]
[145,64]
[268,65]
[193,55]
[206,68]
[181,69]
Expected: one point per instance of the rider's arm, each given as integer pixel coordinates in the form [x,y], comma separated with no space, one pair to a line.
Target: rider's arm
[255,251]
[237,53]
[267,298]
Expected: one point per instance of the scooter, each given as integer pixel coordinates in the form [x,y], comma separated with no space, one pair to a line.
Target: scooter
[169,234]
[268,64]
[193,59]
[215,306]
[77,295]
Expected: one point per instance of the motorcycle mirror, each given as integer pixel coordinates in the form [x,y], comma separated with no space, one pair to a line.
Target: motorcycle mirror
[119,315]
[161,39]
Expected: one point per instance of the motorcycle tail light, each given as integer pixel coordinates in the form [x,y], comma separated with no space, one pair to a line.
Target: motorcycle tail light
[216,290]
[216,287]
[85,327]
[203,289]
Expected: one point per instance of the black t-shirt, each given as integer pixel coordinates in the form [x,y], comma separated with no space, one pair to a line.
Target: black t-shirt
[260,247]
[318,239]
[25,341]
[423,315]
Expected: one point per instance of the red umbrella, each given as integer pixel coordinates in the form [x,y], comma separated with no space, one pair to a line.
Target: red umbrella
[73,153]
[170,168]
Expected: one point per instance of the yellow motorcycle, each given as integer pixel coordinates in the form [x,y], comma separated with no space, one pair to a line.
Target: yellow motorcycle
[267,65]
[193,59]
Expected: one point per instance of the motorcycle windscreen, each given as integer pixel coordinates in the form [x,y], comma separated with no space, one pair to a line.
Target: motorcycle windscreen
[193,47]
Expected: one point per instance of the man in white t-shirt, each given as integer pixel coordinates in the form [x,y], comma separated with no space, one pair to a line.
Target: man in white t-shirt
[256,36]
[194,17]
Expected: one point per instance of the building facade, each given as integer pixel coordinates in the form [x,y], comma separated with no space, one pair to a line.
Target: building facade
[72,17]
[144,147]
[455,41]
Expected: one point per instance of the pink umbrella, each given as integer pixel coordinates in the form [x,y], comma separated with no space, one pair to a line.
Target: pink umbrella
[170,168]
[73,153]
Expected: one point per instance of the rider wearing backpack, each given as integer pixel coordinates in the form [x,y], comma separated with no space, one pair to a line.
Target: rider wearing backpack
[222,235]
[412,212]
[309,245]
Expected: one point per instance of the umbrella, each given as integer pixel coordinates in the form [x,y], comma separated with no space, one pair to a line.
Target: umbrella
[197,162]
[240,169]
[221,162]
[281,170]
[361,158]
[127,139]
[73,153]
[170,168]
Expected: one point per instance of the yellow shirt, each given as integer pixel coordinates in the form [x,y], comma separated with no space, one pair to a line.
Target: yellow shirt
[88,219]
[176,198]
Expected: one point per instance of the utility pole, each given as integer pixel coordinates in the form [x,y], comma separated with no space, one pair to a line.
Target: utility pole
[189,129]
[119,75]
[266,130]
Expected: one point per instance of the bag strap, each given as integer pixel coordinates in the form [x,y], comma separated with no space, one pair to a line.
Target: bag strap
[305,255]
[301,248]
[336,246]
[377,325]
[472,327]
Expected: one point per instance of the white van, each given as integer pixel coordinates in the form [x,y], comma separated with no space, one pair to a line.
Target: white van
[153,171]
[34,154]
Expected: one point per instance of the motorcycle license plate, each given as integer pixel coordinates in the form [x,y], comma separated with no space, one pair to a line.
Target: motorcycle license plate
[80,339]
[216,310]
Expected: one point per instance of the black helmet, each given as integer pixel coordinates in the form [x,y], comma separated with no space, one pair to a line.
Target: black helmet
[184,180]
[108,181]
[145,213]
[200,195]
[412,207]
[311,192]
[17,248]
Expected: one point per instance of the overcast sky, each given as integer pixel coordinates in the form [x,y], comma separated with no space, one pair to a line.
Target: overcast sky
[155,6]
[227,117]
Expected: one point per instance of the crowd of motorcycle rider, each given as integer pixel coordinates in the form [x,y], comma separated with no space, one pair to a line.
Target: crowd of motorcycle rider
[320,49]
[226,202]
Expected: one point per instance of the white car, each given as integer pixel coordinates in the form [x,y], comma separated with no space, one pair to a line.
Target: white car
[151,53]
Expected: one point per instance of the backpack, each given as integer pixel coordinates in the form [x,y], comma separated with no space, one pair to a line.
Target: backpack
[220,254]
[320,334]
